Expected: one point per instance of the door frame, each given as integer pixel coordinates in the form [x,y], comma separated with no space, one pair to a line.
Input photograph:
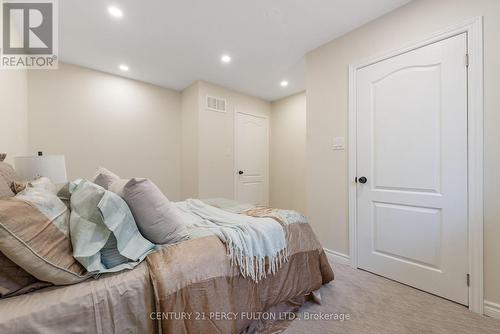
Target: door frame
[235,156]
[474,30]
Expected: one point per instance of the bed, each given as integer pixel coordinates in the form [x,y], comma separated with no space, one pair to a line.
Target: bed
[177,290]
[186,287]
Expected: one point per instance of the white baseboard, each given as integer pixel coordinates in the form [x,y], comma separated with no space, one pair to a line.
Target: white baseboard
[337,257]
[492,309]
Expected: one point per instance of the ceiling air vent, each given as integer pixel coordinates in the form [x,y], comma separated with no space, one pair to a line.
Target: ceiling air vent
[216,104]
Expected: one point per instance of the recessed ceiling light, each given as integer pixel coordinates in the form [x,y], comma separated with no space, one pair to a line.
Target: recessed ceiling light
[124,67]
[115,11]
[284,83]
[225,59]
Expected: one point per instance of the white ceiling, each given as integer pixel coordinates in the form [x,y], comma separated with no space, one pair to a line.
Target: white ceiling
[173,43]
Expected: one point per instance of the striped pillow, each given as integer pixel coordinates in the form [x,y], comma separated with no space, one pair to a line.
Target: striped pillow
[34,234]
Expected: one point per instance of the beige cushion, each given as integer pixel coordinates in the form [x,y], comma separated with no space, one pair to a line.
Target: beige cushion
[14,280]
[7,172]
[34,234]
[5,190]
[7,177]
[158,219]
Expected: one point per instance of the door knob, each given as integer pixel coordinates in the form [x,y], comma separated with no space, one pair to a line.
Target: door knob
[240,172]
[362,179]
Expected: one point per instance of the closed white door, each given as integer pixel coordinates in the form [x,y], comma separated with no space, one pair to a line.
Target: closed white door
[412,168]
[252,159]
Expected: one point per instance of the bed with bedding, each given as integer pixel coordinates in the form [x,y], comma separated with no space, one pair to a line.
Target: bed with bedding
[226,271]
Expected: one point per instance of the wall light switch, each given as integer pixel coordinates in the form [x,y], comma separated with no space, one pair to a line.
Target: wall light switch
[339,143]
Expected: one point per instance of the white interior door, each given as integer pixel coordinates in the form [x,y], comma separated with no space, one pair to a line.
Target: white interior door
[412,149]
[252,159]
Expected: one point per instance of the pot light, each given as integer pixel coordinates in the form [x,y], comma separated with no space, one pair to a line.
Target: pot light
[123,67]
[115,12]
[284,83]
[225,59]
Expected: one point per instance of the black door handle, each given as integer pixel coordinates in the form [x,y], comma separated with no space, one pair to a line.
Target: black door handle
[240,172]
[362,179]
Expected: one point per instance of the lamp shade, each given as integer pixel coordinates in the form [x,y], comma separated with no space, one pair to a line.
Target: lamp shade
[51,166]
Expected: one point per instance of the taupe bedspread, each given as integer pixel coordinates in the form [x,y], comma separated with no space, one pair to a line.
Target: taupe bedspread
[198,291]
[114,303]
[192,280]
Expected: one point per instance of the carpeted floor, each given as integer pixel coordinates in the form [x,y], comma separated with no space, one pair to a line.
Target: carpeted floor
[378,305]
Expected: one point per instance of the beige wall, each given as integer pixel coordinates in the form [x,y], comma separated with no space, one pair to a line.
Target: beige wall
[13,113]
[327,110]
[210,162]
[136,129]
[216,139]
[96,119]
[189,145]
[288,153]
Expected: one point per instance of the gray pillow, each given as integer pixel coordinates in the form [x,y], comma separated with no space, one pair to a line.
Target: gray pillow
[158,219]
[105,178]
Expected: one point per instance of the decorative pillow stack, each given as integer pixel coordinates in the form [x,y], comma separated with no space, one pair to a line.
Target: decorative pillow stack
[14,228]
[104,234]
[159,220]
[34,234]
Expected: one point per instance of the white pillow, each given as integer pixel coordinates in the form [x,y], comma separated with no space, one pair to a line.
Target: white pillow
[43,183]
[39,183]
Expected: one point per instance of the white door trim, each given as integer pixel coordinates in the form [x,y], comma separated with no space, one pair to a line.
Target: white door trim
[474,29]
[235,155]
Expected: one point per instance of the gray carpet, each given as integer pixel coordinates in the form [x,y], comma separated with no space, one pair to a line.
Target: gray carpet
[379,305]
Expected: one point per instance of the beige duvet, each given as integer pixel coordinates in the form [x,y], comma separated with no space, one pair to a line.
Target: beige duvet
[186,288]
